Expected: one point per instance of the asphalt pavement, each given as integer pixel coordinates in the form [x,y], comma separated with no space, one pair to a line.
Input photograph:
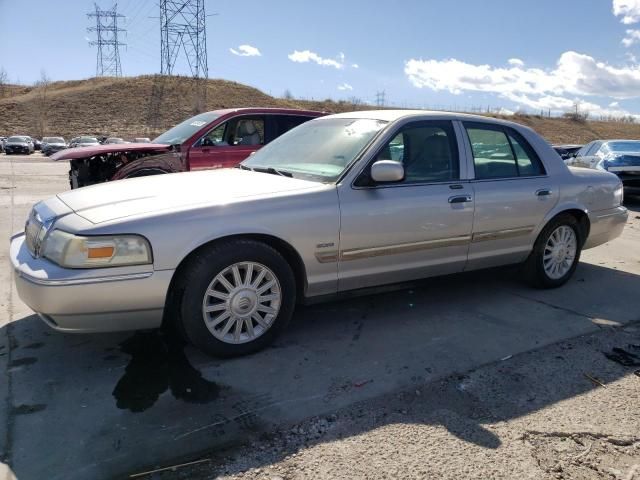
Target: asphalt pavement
[105,405]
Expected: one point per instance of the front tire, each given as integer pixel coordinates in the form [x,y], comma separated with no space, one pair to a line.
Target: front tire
[235,298]
[555,254]
[145,172]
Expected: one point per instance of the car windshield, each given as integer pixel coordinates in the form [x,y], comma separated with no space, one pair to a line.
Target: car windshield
[319,150]
[630,146]
[88,140]
[53,140]
[17,139]
[184,130]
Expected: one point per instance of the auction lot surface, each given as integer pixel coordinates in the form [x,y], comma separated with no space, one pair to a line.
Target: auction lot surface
[401,371]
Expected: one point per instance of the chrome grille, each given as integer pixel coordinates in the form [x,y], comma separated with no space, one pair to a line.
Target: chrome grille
[35,230]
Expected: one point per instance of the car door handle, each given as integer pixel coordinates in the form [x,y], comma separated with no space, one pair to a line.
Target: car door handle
[461,199]
[543,192]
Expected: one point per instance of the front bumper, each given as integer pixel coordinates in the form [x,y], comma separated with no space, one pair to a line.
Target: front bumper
[92,300]
[17,150]
[606,225]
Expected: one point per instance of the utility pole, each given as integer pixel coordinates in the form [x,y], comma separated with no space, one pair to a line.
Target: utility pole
[107,30]
[380,98]
[183,28]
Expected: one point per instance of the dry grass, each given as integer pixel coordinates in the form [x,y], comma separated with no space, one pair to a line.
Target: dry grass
[147,105]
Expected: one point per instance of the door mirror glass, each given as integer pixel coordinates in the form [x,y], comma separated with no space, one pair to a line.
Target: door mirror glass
[384,171]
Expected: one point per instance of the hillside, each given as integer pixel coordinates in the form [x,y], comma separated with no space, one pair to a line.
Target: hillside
[147,105]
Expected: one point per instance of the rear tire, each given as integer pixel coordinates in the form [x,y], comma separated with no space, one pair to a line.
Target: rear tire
[555,254]
[236,297]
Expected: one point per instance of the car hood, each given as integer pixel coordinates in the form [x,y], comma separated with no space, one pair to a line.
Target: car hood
[17,144]
[178,191]
[84,152]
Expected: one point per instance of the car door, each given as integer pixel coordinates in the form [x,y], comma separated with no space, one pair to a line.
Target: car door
[229,143]
[513,194]
[414,228]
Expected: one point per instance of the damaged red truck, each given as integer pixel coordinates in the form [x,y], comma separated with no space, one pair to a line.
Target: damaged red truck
[217,139]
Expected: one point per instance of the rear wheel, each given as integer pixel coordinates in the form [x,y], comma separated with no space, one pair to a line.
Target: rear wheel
[556,253]
[236,297]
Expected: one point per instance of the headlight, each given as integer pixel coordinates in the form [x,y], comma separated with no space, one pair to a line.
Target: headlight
[73,251]
[618,194]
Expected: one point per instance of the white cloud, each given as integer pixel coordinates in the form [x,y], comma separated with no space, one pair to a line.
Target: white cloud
[574,74]
[345,87]
[631,38]
[516,62]
[559,89]
[629,10]
[246,51]
[307,56]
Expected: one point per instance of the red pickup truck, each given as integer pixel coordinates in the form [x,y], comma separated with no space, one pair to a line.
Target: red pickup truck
[217,139]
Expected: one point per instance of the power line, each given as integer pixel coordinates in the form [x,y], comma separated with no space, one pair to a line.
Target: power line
[183,28]
[107,30]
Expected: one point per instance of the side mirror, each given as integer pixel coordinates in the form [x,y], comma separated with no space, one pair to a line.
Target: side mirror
[387,171]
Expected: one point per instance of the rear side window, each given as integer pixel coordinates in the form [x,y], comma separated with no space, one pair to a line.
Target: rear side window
[500,152]
[284,123]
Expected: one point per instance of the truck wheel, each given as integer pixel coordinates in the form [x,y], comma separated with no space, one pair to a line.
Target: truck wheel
[236,297]
[555,254]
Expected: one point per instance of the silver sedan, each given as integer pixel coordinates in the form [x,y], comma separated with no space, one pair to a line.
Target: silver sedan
[341,203]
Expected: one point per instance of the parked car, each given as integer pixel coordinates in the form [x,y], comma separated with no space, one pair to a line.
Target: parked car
[53,144]
[79,142]
[340,203]
[567,151]
[113,140]
[141,140]
[222,138]
[18,144]
[621,157]
[2,142]
[37,144]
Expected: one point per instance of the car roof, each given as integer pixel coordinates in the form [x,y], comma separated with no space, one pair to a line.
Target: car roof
[393,115]
[285,111]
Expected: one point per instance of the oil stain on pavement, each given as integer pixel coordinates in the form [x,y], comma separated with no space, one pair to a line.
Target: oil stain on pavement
[158,363]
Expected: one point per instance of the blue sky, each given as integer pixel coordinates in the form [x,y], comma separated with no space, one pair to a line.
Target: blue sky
[508,54]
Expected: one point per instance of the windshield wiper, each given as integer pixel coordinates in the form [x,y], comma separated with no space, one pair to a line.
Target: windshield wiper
[272,171]
[244,167]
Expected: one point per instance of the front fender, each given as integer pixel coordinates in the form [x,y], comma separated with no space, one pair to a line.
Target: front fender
[172,162]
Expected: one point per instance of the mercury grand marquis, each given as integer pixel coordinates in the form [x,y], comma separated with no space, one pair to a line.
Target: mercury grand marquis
[344,202]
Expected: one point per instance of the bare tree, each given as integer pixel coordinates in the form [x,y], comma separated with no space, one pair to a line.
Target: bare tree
[355,101]
[4,79]
[42,103]
[287,95]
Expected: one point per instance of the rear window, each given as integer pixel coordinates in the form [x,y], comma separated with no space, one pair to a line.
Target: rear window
[501,152]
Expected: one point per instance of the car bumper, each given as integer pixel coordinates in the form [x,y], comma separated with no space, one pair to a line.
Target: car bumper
[92,300]
[606,225]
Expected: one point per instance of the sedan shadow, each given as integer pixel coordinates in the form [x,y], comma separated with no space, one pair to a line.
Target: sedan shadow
[97,406]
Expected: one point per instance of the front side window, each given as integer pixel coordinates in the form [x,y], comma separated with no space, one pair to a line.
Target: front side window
[240,131]
[428,151]
[215,137]
[501,153]
[249,131]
